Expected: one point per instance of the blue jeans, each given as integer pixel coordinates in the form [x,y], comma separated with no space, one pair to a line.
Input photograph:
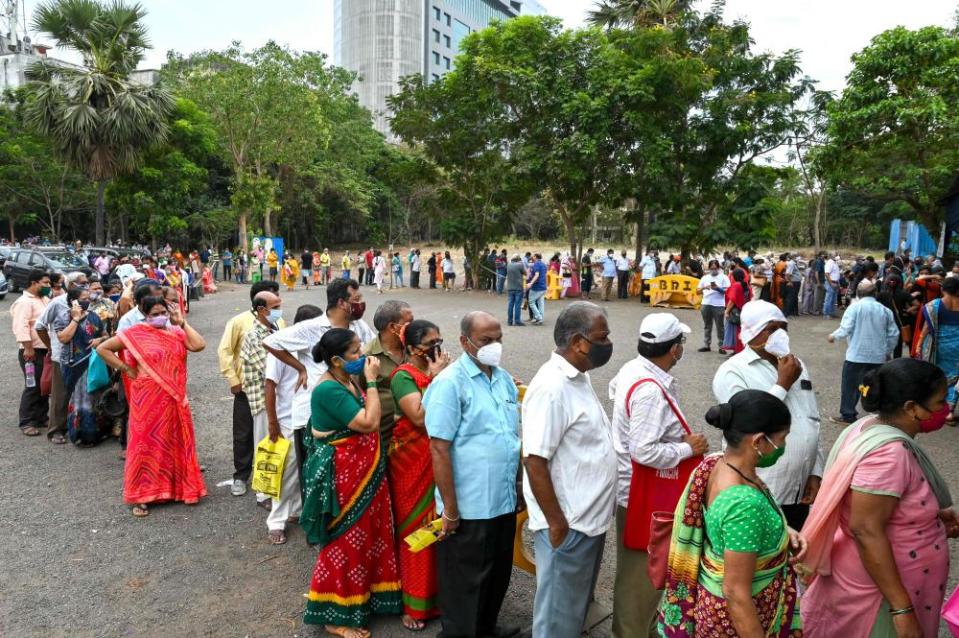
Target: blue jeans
[537,304]
[829,305]
[500,282]
[514,306]
[564,582]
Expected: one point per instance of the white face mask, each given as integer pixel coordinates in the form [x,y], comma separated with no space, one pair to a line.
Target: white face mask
[778,343]
[490,354]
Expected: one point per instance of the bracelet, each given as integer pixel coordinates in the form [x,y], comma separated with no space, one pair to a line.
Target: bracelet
[371,385]
[901,612]
[453,520]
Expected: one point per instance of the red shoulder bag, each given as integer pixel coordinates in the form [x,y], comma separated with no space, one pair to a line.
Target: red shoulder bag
[652,490]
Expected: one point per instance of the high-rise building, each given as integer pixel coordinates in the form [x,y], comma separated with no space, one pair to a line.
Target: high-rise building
[385,40]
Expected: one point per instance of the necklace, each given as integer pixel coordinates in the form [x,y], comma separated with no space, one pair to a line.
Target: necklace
[745,478]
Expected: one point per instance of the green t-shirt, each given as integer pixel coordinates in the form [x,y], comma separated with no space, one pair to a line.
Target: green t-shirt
[402,384]
[333,407]
[742,519]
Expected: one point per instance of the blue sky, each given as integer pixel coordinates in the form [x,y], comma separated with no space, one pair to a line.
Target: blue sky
[827,31]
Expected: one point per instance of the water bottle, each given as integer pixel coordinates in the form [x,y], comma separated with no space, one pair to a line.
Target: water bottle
[30,371]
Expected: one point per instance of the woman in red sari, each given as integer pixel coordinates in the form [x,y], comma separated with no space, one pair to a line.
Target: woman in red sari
[738,293]
[161,463]
[346,504]
[411,468]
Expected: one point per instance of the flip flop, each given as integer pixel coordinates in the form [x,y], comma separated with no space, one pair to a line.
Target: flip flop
[30,431]
[412,624]
[277,537]
[140,511]
[59,439]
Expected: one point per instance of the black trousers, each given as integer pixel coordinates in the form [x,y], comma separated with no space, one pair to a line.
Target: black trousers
[852,377]
[587,284]
[432,272]
[34,409]
[415,279]
[796,515]
[361,279]
[622,284]
[243,443]
[227,272]
[474,567]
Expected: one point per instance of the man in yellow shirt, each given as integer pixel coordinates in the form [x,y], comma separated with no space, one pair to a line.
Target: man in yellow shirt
[325,266]
[273,263]
[347,265]
[231,368]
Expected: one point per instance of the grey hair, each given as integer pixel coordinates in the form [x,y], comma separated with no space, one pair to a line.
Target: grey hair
[576,319]
[469,319]
[390,312]
[72,278]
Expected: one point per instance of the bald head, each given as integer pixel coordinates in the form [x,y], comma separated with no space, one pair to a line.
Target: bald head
[477,321]
[265,299]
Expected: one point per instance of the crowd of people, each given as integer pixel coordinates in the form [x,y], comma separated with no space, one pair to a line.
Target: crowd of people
[389,436]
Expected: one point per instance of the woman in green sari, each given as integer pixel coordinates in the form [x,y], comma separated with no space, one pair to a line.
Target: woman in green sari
[346,504]
[730,570]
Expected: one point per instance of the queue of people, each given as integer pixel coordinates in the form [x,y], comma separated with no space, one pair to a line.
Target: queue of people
[389,435]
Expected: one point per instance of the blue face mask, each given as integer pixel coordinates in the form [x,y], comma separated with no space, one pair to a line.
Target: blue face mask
[275,315]
[114,298]
[354,367]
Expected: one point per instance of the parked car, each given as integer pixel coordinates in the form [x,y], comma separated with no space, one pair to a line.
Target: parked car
[3,287]
[4,254]
[18,266]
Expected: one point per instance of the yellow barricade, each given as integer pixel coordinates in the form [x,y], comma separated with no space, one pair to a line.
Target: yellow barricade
[674,291]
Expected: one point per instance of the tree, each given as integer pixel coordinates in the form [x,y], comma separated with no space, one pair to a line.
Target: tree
[894,131]
[176,181]
[697,148]
[808,142]
[98,121]
[637,13]
[461,127]
[34,183]
[268,108]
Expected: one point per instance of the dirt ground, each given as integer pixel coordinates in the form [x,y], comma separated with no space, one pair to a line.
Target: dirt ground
[75,562]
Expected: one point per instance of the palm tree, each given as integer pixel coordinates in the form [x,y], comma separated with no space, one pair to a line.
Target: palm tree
[98,120]
[637,13]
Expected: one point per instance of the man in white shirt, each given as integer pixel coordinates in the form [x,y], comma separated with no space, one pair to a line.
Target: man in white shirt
[713,287]
[570,471]
[647,269]
[622,276]
[833,271]
[650,433]
[415,265]
[767,364]
[280,389]
[294,345]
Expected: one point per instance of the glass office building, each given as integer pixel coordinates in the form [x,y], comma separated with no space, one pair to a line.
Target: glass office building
[385,40]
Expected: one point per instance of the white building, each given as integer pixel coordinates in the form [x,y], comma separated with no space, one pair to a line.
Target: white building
[385,40]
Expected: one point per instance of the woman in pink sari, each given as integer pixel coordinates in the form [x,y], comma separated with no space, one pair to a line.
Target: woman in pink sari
[878,559]
[161,462]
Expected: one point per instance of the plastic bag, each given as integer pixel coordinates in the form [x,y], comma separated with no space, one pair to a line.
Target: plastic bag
[950,613]
[268,466]
[425,536]
[98,374]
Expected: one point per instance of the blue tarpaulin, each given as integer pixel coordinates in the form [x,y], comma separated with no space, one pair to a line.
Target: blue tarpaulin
[918,240]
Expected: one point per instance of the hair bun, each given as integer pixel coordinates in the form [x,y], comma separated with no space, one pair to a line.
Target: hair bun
[720,416]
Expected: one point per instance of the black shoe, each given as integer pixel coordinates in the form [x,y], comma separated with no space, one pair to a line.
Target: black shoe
[704,349]
[521,325]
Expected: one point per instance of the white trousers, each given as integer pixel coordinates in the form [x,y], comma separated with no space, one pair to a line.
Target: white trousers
[260,430]
[290,503]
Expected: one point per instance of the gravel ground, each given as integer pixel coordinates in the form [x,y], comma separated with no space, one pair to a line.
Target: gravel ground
[75,562]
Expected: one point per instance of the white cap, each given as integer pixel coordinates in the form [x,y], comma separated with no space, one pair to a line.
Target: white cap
[661,327]
[126,272]
[755,316]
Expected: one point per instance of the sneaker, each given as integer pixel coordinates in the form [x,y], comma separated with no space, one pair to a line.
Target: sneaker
[238,488]
[704,349]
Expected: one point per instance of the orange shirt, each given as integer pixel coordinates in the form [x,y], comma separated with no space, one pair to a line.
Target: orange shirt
[26,311]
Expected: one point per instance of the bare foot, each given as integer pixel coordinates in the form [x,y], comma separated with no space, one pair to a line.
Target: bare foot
[347,632]
[412,623]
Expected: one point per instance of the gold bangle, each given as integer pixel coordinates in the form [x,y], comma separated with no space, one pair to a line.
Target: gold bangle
[902,612]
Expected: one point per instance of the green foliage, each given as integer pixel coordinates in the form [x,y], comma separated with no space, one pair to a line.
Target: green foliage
[35,186]
[894,132]
[96,119]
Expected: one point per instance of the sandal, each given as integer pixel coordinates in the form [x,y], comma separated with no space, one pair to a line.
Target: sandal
[59,439]
[140,510]
[30,431]
[267,504]
[277,537]
[412,624]
[347,632]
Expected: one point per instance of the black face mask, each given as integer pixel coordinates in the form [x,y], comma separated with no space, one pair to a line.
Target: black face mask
[599,354]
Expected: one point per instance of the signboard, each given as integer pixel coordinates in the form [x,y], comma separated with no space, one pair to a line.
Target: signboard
[266,243]
[674,291]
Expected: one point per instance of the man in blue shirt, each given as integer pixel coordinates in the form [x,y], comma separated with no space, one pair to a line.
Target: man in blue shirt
[472,417]
[872,335]
[609,273]
[537,289]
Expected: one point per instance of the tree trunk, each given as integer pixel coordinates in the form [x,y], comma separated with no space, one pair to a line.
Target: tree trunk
[640,228]
[10,222]
[594,217]
[649,222]
[267,226]
[100,213]
[244,246]
[820,220]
